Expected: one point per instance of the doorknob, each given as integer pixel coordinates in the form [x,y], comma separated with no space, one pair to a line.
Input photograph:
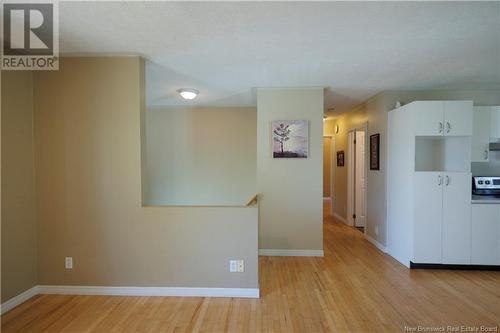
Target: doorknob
[440,180]
[447,181]
[448,127]
[486,154]
[440,127]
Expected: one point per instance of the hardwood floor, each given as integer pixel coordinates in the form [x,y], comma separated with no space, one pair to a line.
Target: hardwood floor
[354,288]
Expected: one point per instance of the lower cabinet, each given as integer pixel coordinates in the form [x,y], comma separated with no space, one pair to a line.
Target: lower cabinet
[442,215]
[427,236]
[456,218]
[485,236]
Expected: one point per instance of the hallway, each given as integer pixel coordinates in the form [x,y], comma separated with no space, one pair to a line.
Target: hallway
[354,288]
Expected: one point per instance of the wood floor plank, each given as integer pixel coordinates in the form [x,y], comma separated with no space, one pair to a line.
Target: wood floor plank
[354,288]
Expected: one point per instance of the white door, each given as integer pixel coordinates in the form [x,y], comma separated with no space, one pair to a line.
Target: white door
[428,118]
[351,193]
[481,134]
[495,122]
[485,234]
[360,181]
[457,218]
[458,118]
[428,217]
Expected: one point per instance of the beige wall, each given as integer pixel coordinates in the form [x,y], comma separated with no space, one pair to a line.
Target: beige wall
[88,173]
[290,189]
[374,112]
[200,156]
[18,192]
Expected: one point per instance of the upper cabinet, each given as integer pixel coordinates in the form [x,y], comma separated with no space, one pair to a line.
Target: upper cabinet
[428,117]
[458,118]
[442,118]
[495,122]
[481,134]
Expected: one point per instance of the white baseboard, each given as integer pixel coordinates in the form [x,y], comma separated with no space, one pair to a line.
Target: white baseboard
[151,291]
[21,298]
[291,253]
[337,216]
[376,243]
[130,291]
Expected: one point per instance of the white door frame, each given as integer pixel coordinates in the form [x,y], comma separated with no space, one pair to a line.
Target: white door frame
[332,170]
[351,173]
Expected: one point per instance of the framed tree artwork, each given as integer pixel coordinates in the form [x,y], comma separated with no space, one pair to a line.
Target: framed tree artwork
[290,138]
[375,151]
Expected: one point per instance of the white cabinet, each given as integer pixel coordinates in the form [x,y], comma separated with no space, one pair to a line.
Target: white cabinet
[457,118]
[485,234]
[481,133]
[456,218]
[441,229]
[495,122]
[429,118]
[438,118]
[429,182]
[428,217]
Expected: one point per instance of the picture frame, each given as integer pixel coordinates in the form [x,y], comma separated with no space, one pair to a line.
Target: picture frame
[375,151]
[290,138]
[340,158]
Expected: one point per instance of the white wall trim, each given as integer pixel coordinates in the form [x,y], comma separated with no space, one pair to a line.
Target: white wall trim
[151,291]
[130,291]
[21,298]
[291,253]
[343,220]
[376,243]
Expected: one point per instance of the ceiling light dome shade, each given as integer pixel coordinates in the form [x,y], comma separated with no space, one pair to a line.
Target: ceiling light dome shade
[188,93]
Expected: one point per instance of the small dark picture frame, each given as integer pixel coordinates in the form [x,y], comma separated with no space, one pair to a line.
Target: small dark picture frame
[340,158]
[375,151]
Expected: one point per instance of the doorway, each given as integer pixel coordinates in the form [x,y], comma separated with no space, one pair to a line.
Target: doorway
[328,149]
[356,177]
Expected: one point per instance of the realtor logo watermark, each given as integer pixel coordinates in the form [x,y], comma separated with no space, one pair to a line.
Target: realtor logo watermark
[30,34]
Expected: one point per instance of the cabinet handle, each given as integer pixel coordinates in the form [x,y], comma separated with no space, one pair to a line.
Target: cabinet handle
[447,181]
[448,127]
[440,180]
[486,154]
[440,127]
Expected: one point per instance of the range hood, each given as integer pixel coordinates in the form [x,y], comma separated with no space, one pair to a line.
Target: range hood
[494,146]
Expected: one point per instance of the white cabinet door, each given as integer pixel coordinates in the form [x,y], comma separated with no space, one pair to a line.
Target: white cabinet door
[458,118]
[485,234]
[495,122]
[481,134]
[427,223]
[457,218]
[428,118]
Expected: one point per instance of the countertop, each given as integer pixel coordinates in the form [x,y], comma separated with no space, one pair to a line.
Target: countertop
[484,199]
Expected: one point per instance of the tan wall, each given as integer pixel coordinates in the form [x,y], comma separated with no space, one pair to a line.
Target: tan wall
[18,192]
[374,112]
[290,189]
[88,172]
[200,156]
[327,167]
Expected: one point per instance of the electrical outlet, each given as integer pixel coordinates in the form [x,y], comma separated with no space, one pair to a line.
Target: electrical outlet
[236,266]
[241,266]
[68,263]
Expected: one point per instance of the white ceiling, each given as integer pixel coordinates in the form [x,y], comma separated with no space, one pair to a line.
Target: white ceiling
[353,49]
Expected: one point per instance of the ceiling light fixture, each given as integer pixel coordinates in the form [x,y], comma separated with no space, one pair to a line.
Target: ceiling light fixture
[188,93]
